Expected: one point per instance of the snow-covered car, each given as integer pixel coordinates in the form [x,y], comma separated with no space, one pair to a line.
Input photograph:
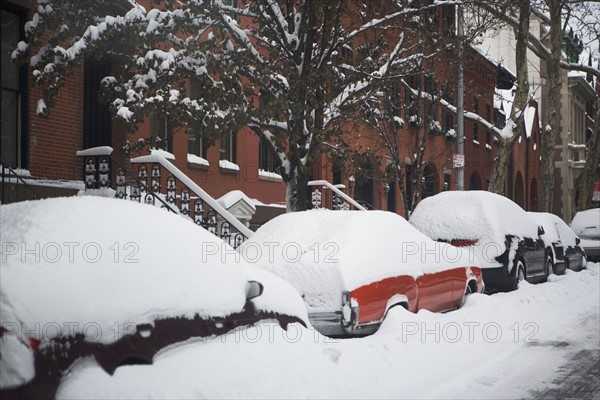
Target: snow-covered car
[562,244]
[586,224]
[117,281]
[351,267]
[500,233]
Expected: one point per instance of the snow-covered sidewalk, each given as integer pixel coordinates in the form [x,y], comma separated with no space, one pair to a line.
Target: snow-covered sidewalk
[501,346]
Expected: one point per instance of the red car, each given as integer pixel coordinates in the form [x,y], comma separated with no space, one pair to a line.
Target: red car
[351,267]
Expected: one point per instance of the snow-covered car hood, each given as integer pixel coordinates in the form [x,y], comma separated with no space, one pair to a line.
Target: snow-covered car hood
[474,215]
[323,252]
[97,266]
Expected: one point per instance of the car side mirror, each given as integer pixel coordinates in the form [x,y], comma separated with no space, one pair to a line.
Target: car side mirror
[577,241]
[541,230]
[254,289]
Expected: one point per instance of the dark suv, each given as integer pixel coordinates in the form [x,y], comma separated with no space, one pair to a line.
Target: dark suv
[505,241]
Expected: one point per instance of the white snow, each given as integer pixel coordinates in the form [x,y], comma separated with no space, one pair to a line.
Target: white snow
[125,113]
[194,159]
[163,153]
[555,229]
[324,252]
[474,215]
[529,118]
[41,107]
[501,346]
[229,199]
[271,176]
[587,222]
[228,165]
[95,151]
[107,262]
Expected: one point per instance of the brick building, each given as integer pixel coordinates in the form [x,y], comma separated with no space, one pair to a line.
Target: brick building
[47,147]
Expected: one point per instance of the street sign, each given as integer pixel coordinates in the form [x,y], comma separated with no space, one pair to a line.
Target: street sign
[458,160]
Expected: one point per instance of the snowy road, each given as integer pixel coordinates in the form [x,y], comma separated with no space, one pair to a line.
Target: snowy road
[539,342]
[578,379]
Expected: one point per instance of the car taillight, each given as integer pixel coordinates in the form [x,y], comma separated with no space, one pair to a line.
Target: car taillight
[33,343]
[463,242]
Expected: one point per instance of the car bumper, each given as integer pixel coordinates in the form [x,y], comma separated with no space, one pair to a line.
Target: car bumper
[498,280]
[592,253]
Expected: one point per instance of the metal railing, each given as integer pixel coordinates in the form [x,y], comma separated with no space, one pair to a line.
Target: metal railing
[332,197]
[161,183]
[13,187]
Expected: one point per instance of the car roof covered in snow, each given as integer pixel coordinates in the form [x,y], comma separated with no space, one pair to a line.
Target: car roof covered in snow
[109,263]
[555,229]
[477,214]
[587,221]
[329,251]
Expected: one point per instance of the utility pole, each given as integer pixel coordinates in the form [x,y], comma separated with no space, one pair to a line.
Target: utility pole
[460,103]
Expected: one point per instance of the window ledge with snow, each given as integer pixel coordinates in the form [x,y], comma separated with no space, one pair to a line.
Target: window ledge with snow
[229,167]
[487,146]
[475,142]
[195,161]
[269,176]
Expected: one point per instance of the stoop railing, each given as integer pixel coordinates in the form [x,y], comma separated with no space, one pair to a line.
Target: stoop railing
[13,187]
[159,182]
[331,197]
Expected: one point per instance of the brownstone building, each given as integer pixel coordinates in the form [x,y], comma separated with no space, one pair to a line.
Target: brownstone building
[46,147]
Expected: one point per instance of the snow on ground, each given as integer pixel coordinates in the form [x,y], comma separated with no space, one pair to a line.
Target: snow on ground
[502,346]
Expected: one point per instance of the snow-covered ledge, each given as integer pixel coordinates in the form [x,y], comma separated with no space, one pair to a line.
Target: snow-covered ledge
[269,176]
[197,161]
[95,151]
[229,167]
[239,205]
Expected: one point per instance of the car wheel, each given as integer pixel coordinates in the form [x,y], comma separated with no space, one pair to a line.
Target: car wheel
[549,267]
[567,265]
[520,272]
[468,291]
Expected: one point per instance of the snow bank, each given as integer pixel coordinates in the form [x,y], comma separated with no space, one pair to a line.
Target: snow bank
[324,252]
[473,215]
[483,350]
[108,263]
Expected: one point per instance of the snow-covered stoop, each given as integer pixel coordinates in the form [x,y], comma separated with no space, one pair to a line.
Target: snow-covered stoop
[331,197]
[159,182]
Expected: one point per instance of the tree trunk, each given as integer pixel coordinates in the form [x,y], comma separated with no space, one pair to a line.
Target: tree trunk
[501,161]
[591,166]
[548,136]
[296,189]
[505,145]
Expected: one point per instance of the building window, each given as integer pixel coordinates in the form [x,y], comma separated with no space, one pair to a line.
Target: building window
[447,120]
[97,119]
[12,133]
[228,147]
[266,160]
[160,131]
[198,144]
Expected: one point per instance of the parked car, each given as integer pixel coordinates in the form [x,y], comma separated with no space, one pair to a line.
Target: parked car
[117,281]
[562,244]
[586,224]
[500,233]
[351,267]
